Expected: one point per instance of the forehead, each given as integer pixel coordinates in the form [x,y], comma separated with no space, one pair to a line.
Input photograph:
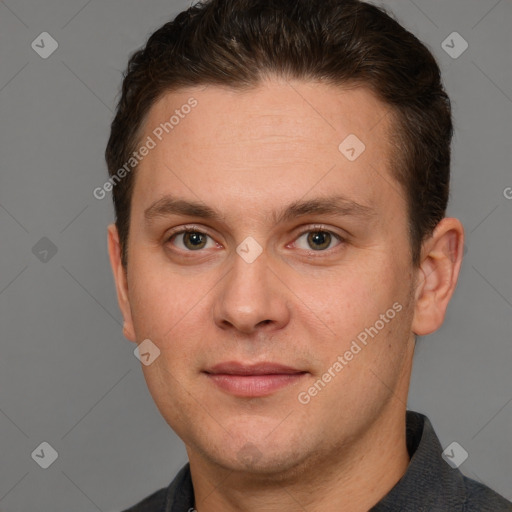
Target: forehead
[276,142]
[312,111]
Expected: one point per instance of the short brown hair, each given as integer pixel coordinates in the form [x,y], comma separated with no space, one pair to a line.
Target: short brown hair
[236,43]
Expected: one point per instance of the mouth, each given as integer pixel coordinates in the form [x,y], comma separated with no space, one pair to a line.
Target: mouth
[255,380]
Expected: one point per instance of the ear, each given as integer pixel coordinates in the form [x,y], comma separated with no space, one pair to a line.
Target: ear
[120,278]
[441,258]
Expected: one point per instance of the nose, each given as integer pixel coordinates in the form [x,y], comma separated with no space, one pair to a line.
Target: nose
[251,298]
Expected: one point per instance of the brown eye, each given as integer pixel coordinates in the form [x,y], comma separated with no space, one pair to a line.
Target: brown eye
[194,240]
[191,240]
[317,240]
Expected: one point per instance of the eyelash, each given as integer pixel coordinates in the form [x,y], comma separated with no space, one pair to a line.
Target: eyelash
[315,229]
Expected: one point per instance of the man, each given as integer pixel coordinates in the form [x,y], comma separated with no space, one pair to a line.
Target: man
[280,174]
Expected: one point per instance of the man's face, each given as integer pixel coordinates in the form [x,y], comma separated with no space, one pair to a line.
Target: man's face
[323,276]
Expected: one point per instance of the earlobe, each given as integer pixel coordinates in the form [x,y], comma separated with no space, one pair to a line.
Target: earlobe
[437,275]
[119,272]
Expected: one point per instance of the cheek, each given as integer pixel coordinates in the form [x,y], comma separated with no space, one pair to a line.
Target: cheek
[158,301]
[174,312]
[345,298]
[350,302]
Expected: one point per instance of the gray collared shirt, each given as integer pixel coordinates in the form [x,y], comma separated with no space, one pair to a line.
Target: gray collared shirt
[429,485]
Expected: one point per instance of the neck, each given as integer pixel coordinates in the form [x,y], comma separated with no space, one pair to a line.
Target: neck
[351,479]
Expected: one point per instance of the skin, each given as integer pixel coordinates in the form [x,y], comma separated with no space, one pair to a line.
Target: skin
[248,154]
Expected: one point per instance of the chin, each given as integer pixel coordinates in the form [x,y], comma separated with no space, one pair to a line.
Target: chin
[263,461]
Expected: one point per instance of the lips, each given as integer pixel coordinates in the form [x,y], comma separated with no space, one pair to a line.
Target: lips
[235,368]
[253,380]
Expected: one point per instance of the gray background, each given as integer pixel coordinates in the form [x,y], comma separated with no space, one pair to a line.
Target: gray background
[67,375]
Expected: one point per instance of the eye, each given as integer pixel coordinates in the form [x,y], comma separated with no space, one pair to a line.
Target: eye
[317,240]
[191,240]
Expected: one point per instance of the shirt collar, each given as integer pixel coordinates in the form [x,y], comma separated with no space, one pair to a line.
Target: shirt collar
[429,484]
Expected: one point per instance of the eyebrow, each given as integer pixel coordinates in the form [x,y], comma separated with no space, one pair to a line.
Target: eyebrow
[332,205]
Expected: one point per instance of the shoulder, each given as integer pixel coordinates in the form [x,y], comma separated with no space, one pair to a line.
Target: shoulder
[153,503]
[180,494]
[480,498]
